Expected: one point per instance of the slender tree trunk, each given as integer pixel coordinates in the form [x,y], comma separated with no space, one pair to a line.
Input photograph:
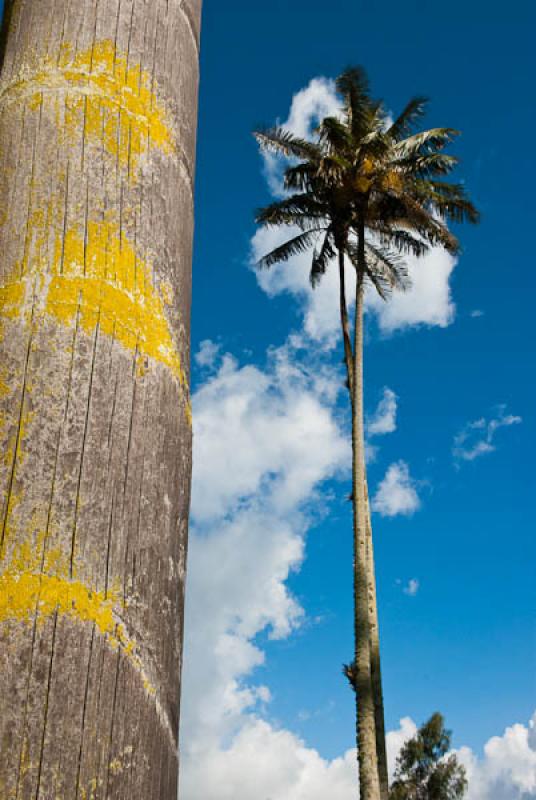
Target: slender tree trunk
[97,137]
[371,580]
[366,726]
[375,666]
[345,325]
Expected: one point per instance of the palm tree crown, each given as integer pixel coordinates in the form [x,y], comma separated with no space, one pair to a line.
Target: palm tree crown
[365,172]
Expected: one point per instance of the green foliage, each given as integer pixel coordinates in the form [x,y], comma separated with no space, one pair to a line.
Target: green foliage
[361,173]
[423,769]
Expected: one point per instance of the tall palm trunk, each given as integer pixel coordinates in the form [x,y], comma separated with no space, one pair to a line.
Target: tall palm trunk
[366,725]
[97,138]
[375,666]
[373,629]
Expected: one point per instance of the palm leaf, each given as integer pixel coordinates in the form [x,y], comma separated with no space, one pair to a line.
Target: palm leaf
[298,177]
[424,142]
[386,266]
[402,240]
[406,120]
[425,166]
[321,258]
[281,140]
[334,135]
[298,209]
[447,199]
[353,85]
[293,247]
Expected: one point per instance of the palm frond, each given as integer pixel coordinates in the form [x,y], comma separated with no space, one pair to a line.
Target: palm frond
[293,247]
[334,135]
[406,120]
[449,200]
[424,142]
[425,166]
[280,140]
[332,168]
[387,267]
[374,144]
[402,240]
[298,177]
[433,230]
[353,85]
[321,258]
[298,209]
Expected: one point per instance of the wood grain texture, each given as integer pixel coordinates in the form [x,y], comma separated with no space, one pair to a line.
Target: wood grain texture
[98,103]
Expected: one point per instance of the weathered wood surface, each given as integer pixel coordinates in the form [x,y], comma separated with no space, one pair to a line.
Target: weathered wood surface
[97,137]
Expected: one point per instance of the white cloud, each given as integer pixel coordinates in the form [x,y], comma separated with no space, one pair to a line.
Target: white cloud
[280,766]
[270,764]
[412,587]
[317,100]
[396,493]
[264,440]
[508,769]
[477,312]
[427,302]
[207,354]
[477,437]
[263,432]
[384,418]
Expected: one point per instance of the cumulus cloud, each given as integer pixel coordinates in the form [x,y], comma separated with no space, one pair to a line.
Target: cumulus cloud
[508,769]
[279,764]
[264,440]
[263,761]
[384,418]
[477,437]
[428,301]
[262,433]
[396,493]
[317,100]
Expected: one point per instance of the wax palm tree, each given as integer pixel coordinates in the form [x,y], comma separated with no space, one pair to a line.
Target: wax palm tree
[366,191]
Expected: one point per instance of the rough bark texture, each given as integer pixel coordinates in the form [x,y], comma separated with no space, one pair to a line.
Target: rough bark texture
[375,663]
[97,137]
[366,725]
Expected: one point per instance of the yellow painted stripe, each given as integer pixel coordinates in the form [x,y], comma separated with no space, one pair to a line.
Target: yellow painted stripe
[25,593]
[113,100]
[102,281]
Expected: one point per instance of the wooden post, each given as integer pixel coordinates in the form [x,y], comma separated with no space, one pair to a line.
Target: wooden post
[98,102]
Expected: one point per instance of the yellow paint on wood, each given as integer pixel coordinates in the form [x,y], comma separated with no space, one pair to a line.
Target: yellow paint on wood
[22,593]
[37,586]
[97,278]
[111,99]
[110,286]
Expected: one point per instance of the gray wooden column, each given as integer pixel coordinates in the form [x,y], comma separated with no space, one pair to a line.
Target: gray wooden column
[98,106]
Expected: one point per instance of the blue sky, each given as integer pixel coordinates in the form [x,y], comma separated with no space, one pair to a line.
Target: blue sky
[269,603]
[464,643]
